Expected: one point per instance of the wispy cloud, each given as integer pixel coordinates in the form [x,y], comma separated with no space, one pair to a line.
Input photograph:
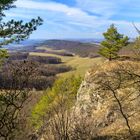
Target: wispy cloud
[102,7]
[87,18]
[52,6]
[12,15]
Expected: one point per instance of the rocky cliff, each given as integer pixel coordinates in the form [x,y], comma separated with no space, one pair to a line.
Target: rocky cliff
[107,105]
[96,103]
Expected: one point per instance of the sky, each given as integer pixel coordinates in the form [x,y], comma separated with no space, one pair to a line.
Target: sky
[77,19]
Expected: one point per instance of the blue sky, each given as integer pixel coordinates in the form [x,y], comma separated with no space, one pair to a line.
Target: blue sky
[78,18]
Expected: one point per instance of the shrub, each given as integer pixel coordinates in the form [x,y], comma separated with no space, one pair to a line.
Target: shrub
[64,92]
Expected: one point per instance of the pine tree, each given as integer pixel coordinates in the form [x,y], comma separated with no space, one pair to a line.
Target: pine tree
[12,100]
[112,44]
[14,31]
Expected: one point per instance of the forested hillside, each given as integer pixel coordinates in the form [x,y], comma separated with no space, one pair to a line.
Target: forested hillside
[78,48]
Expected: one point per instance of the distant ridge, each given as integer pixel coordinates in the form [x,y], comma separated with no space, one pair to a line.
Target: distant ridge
[82,47]
[76,47]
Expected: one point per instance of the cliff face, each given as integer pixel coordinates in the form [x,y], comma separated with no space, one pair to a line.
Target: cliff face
[100,106]
[108,96]
[88,98]
[91,104]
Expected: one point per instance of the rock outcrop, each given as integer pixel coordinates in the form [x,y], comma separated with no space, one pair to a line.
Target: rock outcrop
[92,104]
[97,114]
[100,106]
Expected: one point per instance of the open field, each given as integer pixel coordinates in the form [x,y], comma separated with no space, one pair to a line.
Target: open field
[79,64]
[49,49]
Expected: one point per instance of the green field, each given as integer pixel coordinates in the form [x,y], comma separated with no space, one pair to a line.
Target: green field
[79,64]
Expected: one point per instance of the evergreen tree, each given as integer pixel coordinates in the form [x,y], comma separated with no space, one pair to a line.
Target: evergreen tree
[113,42]
[12,100]
[14,31]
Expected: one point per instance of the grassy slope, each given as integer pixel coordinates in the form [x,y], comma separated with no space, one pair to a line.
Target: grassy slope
[80,65]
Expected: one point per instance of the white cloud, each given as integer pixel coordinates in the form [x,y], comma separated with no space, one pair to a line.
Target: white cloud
[80,24]
[74,15]
[52,6]
[63,20]
[105,8]
[10,14]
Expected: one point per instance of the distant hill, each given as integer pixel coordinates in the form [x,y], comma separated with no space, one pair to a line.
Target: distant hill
[26,45]
[87,40]
[76,47]
[81,47]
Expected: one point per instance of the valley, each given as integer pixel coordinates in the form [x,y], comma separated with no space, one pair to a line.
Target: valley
[79,64]
[80,56]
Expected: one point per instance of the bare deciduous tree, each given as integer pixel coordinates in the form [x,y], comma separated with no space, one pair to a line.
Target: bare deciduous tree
[13,99]
[119,82]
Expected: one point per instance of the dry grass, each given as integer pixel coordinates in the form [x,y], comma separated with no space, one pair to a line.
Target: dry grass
[79,64]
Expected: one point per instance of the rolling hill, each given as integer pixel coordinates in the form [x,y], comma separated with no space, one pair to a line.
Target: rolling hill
[76,47]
